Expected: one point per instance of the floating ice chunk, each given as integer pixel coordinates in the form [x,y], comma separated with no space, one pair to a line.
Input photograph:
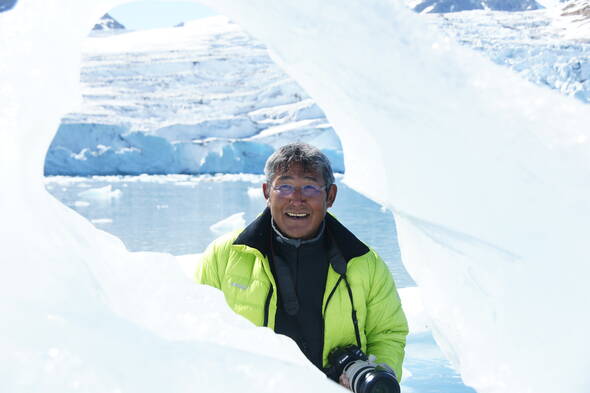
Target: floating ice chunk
[105,192]
[102,221]
[235,221]
[255,192]
[81,204]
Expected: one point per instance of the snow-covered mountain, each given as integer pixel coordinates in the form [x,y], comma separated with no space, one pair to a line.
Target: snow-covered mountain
[436,6]
[107,23]
[5,5]
[201,98]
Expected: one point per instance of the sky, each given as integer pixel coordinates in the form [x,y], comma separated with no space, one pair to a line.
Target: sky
[152,14]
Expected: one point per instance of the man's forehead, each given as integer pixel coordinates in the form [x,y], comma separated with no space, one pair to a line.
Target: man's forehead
[306,175]
[298,171]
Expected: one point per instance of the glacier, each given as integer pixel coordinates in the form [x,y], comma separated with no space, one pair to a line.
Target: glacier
[486,173]
[548,47]
[200,98]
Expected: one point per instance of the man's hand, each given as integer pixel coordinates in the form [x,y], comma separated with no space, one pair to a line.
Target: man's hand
[344,381]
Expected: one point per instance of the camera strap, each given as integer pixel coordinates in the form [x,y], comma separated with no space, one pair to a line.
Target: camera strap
[355,321]
[339,265]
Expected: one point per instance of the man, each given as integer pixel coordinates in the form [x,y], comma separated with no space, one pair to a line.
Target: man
[300,272]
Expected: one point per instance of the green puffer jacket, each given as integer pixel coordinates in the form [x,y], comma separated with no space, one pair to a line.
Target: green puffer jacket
[237,264]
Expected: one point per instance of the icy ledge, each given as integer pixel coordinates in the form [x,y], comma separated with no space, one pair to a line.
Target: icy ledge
[487,175]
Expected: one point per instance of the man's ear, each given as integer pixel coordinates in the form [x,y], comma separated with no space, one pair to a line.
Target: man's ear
[331,195]
[265,191]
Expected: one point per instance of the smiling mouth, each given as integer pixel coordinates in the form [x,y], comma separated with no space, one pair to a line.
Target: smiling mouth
[297,215]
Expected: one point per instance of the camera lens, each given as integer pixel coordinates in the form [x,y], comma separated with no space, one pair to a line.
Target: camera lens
[380,387]
[377,381]
[364,375]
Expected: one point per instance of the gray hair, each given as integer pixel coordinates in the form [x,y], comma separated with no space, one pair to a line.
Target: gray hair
[299,153]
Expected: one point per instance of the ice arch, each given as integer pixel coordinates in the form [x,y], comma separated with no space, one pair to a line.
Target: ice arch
[487,174]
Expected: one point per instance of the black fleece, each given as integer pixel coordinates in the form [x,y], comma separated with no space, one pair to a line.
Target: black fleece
[308,269]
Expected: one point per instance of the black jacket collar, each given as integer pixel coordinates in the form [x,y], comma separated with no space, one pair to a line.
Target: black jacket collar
[258,235]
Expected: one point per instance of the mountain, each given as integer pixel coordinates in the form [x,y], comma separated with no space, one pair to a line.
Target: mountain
[106,23]
[438,6]
[5,5]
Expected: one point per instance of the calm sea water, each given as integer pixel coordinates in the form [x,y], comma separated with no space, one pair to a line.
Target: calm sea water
[174,214]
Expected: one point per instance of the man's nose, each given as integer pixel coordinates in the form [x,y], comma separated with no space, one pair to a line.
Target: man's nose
[298,194]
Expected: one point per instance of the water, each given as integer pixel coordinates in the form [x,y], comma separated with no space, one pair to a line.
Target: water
[174,213]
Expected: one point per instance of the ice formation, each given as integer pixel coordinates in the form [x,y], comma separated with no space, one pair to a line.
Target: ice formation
[547,47]
[228,224]
[487,175]
[105,192]
[201,98]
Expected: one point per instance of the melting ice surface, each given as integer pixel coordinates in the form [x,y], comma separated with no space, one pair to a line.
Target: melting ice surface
[487,176]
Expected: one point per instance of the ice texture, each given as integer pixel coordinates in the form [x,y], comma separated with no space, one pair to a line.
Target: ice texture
[548,47]
[574,18]
[487,175]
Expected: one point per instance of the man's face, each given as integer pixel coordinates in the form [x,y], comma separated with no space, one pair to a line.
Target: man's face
[298,215]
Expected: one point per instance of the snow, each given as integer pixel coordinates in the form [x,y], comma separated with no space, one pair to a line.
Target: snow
[574,18]
[107,24]
[550,3]
[486,174]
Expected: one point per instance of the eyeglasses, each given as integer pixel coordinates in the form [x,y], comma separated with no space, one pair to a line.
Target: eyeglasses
[308,190]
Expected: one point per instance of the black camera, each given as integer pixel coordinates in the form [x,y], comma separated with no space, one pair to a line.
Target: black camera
[364,374]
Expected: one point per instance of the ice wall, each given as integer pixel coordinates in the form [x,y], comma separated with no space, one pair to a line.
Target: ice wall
[486,173]
[78,312]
